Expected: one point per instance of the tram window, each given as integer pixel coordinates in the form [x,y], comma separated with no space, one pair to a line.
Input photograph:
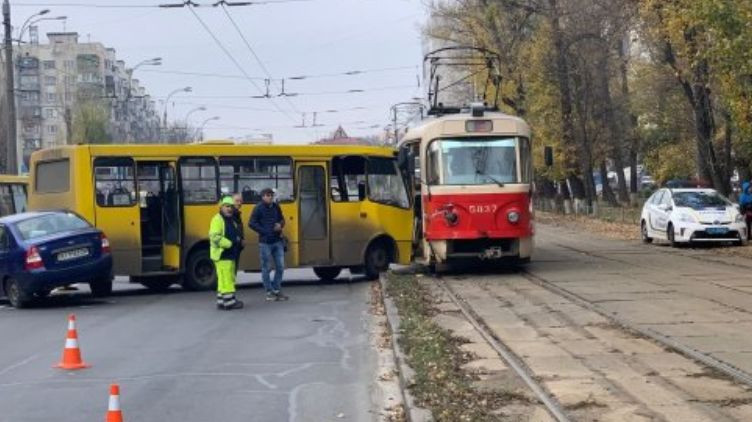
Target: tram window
[114,182]
[525,161]
[199,180]
[385,184]
[473,161]
[347,174]
[53,176]
[6,200]
[250,175]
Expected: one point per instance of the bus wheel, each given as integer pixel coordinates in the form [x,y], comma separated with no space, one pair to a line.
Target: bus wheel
[199,272]
[377,260]
[327,273]
[101,287]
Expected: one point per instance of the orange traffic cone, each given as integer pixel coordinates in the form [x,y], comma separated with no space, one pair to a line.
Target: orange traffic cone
[114,414]
[71,352]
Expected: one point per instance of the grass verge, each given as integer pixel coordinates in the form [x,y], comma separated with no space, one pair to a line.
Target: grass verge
[440,384]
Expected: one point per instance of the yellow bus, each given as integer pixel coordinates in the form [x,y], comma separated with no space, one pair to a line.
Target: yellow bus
[345,206]
[12,194]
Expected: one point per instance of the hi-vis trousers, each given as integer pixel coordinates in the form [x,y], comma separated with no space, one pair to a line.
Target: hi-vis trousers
[225,282]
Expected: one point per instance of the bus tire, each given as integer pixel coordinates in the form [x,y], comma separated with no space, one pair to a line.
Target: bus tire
[327,273]
[101,287]
[377,260]
[199,271]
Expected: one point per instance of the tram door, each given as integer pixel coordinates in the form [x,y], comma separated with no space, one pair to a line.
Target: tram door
[159,204]
[313,214]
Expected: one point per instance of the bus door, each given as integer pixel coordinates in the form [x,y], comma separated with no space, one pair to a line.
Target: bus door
[117,212]
[159,216]
[351,227]
[313,214]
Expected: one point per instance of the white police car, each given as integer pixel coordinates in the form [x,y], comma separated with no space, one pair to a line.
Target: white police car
[691,215]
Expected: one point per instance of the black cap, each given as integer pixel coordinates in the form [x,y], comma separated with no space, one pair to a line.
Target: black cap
[267,191]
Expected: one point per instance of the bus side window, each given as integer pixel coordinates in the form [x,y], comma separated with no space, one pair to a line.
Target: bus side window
[348,173]
[250,175]
[19,198]
[6,200]
[115,182]
[52,176]
[199,180]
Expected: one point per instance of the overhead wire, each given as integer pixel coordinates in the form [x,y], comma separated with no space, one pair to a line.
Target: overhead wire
[235,62]
[295,78]
[150,6]
[255,55]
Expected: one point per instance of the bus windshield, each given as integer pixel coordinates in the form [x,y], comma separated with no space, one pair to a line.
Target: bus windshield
[476,161]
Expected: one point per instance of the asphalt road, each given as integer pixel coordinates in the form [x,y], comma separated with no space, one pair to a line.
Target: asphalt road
[177,358]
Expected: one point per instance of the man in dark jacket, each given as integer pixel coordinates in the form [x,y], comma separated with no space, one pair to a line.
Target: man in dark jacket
[267,220]
[238,216]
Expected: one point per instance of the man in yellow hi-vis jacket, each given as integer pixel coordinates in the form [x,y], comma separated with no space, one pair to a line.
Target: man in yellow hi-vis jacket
[225,241]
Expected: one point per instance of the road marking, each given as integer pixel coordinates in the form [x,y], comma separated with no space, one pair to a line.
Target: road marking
[23,362]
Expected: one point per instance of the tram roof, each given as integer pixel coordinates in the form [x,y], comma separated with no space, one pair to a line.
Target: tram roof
[504,124]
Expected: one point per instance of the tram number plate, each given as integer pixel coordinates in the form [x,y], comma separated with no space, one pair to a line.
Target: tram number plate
[482,209]
[74,254]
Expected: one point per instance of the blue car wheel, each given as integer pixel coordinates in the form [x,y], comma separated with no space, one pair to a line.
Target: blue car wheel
[17,297]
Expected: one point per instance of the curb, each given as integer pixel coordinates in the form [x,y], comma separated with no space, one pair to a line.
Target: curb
[413,412]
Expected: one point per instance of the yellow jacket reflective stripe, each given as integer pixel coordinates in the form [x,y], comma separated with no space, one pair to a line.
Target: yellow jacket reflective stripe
[217,239]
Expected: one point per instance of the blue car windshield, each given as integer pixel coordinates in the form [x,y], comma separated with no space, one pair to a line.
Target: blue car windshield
[700,200]
[49,224]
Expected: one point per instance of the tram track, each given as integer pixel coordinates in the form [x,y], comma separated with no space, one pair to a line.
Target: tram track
[686,350]
[582,363]
[710,361]
[515,362]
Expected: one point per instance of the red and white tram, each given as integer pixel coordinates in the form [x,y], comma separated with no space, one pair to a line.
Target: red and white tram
[472,179]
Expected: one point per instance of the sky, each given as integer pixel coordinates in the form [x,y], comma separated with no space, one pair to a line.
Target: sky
[319,39]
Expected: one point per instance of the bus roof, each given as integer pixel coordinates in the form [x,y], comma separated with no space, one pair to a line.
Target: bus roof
[11,178]
[219,148]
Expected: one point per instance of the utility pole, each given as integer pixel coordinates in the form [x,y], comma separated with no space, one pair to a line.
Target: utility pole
[10,92]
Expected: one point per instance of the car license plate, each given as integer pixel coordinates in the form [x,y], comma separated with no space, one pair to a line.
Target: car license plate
[717,230]
[74,254]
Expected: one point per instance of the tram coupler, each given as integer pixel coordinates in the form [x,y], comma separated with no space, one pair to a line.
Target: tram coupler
[492,253]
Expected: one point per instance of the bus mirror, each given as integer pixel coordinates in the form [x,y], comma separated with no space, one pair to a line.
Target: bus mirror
[548,156]
[361,191]
[403,159]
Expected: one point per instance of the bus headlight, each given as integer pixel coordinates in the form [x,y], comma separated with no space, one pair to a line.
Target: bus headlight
[513,217]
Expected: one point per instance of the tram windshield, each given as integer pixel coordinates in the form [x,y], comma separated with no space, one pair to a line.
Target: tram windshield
[475,161]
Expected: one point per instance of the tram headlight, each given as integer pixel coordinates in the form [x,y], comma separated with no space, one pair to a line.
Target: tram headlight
[513,217]
[451,217]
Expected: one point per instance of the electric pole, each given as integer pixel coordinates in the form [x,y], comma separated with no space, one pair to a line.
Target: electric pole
[10,92]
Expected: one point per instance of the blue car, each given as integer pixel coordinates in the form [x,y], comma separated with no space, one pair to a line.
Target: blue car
[40,251]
